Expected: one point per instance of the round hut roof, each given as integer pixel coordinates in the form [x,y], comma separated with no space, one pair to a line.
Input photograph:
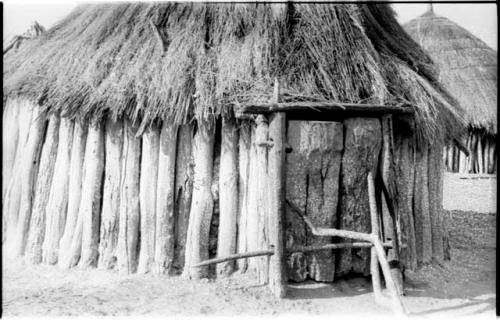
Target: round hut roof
[467,66]
[179,62]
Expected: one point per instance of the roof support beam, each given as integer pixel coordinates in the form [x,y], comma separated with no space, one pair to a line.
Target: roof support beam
[321,110]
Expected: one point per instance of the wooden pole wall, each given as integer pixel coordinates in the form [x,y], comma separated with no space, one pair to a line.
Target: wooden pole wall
[58,198]
[30,162]
[157,200]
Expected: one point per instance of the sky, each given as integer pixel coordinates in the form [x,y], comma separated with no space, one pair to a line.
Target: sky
[479,18]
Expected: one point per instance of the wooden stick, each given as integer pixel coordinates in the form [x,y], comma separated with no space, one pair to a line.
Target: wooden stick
[292,249]
[259,253]
[377,287]
[333,246]
[329,231]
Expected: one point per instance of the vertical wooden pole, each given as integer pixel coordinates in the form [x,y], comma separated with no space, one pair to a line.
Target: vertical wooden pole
[43,182]
[374,269]
[491,156]
[129,219]
[147,197]
[228,190]
[164,243]
[276,177]
[90,202]
[30,162]
[480,154]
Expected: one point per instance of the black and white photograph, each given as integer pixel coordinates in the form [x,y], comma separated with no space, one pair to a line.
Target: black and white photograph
[282,159]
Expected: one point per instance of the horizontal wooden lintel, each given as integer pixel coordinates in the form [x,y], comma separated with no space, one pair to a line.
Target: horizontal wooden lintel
[321,110]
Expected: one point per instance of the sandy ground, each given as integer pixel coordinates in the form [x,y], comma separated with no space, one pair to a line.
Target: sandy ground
[463,286]
[471,192]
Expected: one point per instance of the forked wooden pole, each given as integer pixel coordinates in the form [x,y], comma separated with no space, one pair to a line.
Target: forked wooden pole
[397,305]
[378,256]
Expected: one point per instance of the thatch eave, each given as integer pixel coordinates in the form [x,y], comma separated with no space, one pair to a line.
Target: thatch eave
[107,60]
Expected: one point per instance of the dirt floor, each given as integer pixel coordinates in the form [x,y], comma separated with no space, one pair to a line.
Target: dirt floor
[463,286]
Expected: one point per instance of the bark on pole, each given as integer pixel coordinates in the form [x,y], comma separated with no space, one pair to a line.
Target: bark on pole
[128,232]
[30,164]
[44,181]
[71,241]
[183,191]
[90,204]
[362,143]
[147,197]
[228,191]
[202,203]
[435,178]
[13,192]
[404,166]
[277,179]
[243,177]
[111,194]
[297,191]
[58,198]
[421,209]
[165,199]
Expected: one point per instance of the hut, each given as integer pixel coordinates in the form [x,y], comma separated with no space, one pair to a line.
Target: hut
[130,150]
[468,70]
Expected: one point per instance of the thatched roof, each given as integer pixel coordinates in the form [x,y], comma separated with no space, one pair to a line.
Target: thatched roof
[178,62]
[468,67]
[34,31]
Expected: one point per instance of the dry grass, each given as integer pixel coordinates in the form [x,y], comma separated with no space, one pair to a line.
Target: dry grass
[106,59]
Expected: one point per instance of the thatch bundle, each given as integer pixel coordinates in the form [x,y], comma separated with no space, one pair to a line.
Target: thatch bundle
[165,168]
[468,70]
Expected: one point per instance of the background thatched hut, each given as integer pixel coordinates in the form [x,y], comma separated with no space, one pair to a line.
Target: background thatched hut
[468,70]
[133,159]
